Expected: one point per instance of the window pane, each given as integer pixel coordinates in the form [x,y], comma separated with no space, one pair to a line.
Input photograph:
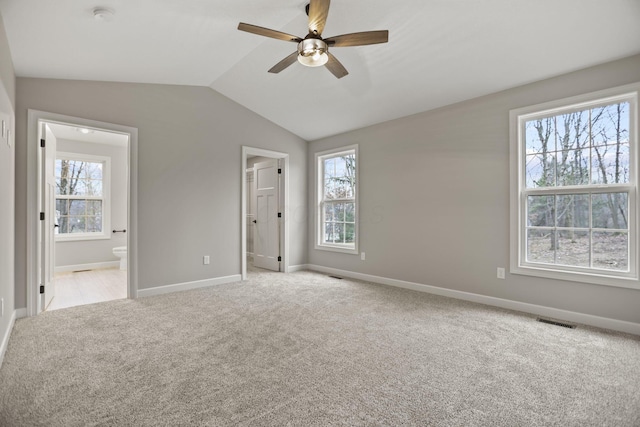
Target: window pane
[328,232]
[610,250]
[339,178]
[540,170]
[94,187]
[62,186]
[350,212]
[541,211]
[541,245]
[573,167]
[573,248]
[79,178]
[63,225]
[540,136]
[94,224]
[610,123]
[328,212]
[73,169]
[77,207]
[62,206]
[339,188]
[610,210]
[339,233]
[329,168]
[572,131]
[610,164]
[94,170]
[341,166]
[349,233]
[78,187]
[94,207]
[338,212]
[572,210]
[77,224]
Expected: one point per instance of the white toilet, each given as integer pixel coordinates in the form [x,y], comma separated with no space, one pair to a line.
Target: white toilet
[121,252]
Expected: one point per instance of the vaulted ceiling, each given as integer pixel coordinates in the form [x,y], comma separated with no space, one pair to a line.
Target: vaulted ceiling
[439,51]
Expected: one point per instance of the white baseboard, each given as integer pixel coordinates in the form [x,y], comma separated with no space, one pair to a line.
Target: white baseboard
[301,267]
[570,316]
[92,266]
[188,285]
[21,313]
[5,338]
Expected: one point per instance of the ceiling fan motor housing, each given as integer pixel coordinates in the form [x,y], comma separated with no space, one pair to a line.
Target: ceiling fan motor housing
[313,52]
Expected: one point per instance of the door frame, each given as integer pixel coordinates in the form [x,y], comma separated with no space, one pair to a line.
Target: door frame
[36,117]
[283,203]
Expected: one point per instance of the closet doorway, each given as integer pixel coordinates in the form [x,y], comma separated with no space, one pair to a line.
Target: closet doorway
[264,210]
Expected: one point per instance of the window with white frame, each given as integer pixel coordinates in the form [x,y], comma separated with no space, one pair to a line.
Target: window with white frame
[82,184]
[575,206]
[337,195]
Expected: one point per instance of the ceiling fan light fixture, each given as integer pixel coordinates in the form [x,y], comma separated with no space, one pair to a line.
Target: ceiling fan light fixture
[313,52]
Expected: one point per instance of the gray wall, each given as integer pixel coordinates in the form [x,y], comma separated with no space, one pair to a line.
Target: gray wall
[434,198]
[69,253]
[189,171]
[7,182]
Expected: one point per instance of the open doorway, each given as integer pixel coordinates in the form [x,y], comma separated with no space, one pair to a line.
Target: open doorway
[89,246]
[264,211]
[83,190]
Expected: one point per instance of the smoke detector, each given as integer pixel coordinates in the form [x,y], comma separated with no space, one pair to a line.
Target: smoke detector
[102,14]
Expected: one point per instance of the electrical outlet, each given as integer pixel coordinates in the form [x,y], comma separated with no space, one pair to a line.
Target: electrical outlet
[500,273]
[362,256]
[206,260]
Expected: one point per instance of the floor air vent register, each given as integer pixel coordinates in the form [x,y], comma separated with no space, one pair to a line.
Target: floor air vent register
[556,323]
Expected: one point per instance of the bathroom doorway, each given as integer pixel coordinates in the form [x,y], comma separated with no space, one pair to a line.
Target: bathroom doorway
[83,197]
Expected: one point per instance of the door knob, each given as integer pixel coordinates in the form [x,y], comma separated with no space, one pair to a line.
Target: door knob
[255,221]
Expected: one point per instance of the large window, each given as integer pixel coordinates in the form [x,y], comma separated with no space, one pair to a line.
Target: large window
[337,191]
[575,208]
[81,196]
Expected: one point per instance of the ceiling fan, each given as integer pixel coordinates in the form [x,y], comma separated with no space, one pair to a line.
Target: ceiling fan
[313,50]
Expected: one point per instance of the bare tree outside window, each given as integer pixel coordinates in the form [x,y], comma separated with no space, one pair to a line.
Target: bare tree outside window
[583,151]
[79,196]
[338,199]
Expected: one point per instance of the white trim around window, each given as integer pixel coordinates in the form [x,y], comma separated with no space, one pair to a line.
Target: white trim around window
[105,198]
[347,222]
[527,187]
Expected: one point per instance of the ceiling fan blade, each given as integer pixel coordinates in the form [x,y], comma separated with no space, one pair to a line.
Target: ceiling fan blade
[358,39]
[318,11]
[261,31]
[336,68]
[284,63]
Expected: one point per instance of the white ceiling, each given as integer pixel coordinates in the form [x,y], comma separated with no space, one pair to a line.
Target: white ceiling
[439,51]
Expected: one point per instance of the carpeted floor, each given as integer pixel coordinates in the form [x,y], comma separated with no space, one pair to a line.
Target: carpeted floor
[304,349]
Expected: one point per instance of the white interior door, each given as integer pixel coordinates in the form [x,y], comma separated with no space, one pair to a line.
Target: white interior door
[250,209]
[48,224]
[266,240]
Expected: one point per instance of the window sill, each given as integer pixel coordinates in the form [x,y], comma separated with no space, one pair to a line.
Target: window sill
[81,237]
[340,249]
[620,281]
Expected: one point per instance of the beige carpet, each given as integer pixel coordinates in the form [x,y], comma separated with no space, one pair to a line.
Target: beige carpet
[307,350]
